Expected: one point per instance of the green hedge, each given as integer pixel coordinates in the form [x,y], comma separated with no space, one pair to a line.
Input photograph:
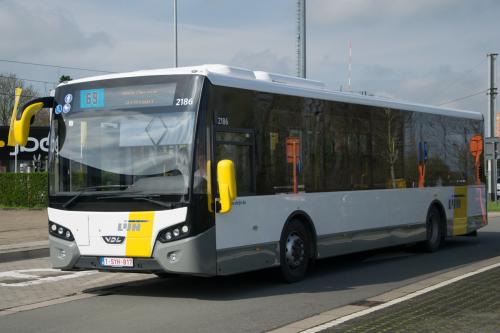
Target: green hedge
[28,190]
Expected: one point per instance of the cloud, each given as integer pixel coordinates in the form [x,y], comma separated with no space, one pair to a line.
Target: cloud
[263,60]
[29,29]
[361,12]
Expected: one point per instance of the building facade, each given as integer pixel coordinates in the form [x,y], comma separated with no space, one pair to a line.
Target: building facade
[31,158]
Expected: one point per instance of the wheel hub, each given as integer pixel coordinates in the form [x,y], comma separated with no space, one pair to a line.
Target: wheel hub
[294,250]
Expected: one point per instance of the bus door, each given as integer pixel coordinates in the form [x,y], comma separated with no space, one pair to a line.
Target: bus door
[238,145]
[232,229]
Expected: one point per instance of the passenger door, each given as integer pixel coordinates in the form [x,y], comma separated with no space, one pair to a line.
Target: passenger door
[238,145]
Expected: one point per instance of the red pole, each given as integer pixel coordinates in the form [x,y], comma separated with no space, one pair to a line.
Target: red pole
[294,168]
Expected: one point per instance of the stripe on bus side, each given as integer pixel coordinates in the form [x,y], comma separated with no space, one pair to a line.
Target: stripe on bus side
[460,211]
[138,240]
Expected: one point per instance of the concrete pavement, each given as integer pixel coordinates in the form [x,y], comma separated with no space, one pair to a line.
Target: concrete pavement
[469,305]
[22,226]
[23,234]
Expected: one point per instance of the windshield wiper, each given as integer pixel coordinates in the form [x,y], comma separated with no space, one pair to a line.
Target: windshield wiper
[87,189]
[145,197]
[159,203]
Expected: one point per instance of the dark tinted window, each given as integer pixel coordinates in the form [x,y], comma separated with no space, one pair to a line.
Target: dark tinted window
[336,146]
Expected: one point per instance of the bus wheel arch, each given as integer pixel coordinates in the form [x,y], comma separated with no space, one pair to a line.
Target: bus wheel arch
[296,244]
[306,220]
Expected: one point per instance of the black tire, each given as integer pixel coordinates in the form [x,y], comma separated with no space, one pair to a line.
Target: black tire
[434,230]
[165,275]
[295,251]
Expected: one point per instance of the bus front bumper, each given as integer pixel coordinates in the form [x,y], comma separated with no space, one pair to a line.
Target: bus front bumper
[193,255]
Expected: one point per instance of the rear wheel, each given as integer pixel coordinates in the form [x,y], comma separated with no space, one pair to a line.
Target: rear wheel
[434,230]
[295,248]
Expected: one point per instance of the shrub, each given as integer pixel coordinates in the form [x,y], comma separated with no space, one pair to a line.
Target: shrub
[27,190]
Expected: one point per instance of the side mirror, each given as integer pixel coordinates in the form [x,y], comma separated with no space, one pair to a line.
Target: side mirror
[24,117]
[227,185]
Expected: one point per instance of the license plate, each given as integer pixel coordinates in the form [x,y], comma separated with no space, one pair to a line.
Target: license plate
[117,262]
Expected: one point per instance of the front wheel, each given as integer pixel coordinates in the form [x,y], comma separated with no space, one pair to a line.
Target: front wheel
[164,275]
[295,251]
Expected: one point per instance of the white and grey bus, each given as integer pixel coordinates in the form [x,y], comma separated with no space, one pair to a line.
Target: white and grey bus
[214,170]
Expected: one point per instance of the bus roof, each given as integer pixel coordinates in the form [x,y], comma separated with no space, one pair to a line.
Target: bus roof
[222,75]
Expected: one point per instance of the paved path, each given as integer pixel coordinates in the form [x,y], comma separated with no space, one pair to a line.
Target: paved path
[22,226]
[470,305]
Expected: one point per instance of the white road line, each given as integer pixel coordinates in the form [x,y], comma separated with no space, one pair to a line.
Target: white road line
[34,279]
[396,300]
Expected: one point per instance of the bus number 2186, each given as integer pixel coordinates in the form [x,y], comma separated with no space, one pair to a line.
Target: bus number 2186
[183,101]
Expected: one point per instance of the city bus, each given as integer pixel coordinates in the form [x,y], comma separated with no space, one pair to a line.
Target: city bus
[215,170]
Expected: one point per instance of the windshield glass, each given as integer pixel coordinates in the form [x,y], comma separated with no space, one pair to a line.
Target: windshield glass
[124,137]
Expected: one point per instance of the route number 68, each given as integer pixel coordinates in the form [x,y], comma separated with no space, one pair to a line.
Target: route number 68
[184,101]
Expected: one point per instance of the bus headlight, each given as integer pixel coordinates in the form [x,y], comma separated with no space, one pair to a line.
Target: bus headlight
[174,233]
[60,232]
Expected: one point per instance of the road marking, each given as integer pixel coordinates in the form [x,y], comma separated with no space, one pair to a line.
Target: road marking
[46,303]
[29,277]
[396,300]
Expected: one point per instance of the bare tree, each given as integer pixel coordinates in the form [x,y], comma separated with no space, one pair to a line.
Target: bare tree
[393,142]
[8,85]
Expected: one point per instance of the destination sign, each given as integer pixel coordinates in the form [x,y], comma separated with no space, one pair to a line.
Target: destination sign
[129,96]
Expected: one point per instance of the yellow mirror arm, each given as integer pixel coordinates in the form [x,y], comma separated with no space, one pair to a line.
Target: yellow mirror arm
[12,140]
[22,126]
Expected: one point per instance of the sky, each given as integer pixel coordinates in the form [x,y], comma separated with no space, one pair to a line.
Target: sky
[424,51]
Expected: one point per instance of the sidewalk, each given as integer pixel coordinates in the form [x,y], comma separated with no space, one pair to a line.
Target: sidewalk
[466,299]
[23,234]
[469,305]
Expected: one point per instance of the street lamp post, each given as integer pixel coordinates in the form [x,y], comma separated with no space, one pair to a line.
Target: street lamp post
[175,33]
[301,39]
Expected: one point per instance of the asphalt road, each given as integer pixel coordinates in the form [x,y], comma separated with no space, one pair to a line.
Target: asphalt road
[252,302]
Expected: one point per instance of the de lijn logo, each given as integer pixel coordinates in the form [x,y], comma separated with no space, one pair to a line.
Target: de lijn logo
[32,146]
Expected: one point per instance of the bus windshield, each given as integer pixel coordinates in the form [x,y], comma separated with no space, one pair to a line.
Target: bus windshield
[130,141]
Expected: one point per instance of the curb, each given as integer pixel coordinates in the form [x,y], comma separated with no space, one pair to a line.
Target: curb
[24,251]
